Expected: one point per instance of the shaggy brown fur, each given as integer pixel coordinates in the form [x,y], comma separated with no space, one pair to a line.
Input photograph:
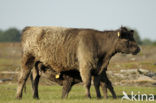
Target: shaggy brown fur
[67,79]
[66,49]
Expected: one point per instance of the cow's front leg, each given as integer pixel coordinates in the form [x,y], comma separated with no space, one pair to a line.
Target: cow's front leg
[104,89]
[110,87]
[104,64]
[106,83]
[87,61]
[96,81]
[85,72]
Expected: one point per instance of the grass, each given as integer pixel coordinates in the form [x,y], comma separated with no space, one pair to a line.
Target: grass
[52,94]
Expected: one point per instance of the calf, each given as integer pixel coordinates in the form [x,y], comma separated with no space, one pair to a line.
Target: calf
[66,79]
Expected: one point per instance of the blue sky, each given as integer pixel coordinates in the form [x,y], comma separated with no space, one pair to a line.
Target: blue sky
[97,14]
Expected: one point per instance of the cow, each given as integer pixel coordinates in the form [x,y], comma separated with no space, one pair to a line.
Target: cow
[66,79]
[63,49]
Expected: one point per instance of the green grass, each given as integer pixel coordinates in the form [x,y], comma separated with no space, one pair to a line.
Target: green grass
[52,94]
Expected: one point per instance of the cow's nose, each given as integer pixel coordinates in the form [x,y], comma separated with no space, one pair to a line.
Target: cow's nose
[138,49]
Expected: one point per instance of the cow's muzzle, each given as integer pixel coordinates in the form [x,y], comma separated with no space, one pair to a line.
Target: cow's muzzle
[136,51]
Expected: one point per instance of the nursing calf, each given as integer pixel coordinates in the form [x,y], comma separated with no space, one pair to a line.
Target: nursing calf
[66,79]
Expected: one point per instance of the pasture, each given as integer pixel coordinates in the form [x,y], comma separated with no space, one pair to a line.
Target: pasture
[52,94]
[10,54]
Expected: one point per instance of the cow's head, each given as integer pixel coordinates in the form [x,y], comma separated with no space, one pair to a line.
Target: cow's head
[126,43]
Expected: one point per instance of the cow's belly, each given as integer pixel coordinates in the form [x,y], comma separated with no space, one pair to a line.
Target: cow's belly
[59,64]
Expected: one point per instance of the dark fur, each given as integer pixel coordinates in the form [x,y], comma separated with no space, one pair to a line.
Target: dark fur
[65,49]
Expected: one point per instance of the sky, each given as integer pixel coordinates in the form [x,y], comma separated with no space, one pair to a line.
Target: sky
[96,14]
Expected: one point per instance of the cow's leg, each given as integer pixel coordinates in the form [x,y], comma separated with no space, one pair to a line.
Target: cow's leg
[104,89]
[87,62]
[85,72]
[106,83]
[110,87]
[35,81]
[31,78]
[67,85]
[97,85]
[27,64]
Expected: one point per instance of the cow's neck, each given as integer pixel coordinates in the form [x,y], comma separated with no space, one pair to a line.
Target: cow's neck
[106,43]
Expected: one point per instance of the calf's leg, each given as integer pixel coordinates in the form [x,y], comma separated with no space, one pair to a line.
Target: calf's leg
[67,85]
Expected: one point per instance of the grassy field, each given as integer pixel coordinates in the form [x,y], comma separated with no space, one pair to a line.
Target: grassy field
[52,94]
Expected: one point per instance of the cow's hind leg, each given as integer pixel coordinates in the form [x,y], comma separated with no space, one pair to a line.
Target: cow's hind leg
[35,81]
[31,78]
[27,64]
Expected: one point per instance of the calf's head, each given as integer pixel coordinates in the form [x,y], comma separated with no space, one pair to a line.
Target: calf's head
[126,42]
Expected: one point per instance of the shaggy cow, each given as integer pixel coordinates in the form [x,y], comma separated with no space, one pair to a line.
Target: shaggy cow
[67,79]
[64,49]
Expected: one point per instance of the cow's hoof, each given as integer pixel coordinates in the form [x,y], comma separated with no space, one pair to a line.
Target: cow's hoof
[64,97]
[37,98]
[105,97]
[114,97]
[88,96]
[99,97]
[18,97]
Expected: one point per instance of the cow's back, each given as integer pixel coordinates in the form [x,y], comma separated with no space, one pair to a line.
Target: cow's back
[54,46]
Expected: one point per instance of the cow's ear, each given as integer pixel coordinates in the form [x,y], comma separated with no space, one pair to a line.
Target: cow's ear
[132,31]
